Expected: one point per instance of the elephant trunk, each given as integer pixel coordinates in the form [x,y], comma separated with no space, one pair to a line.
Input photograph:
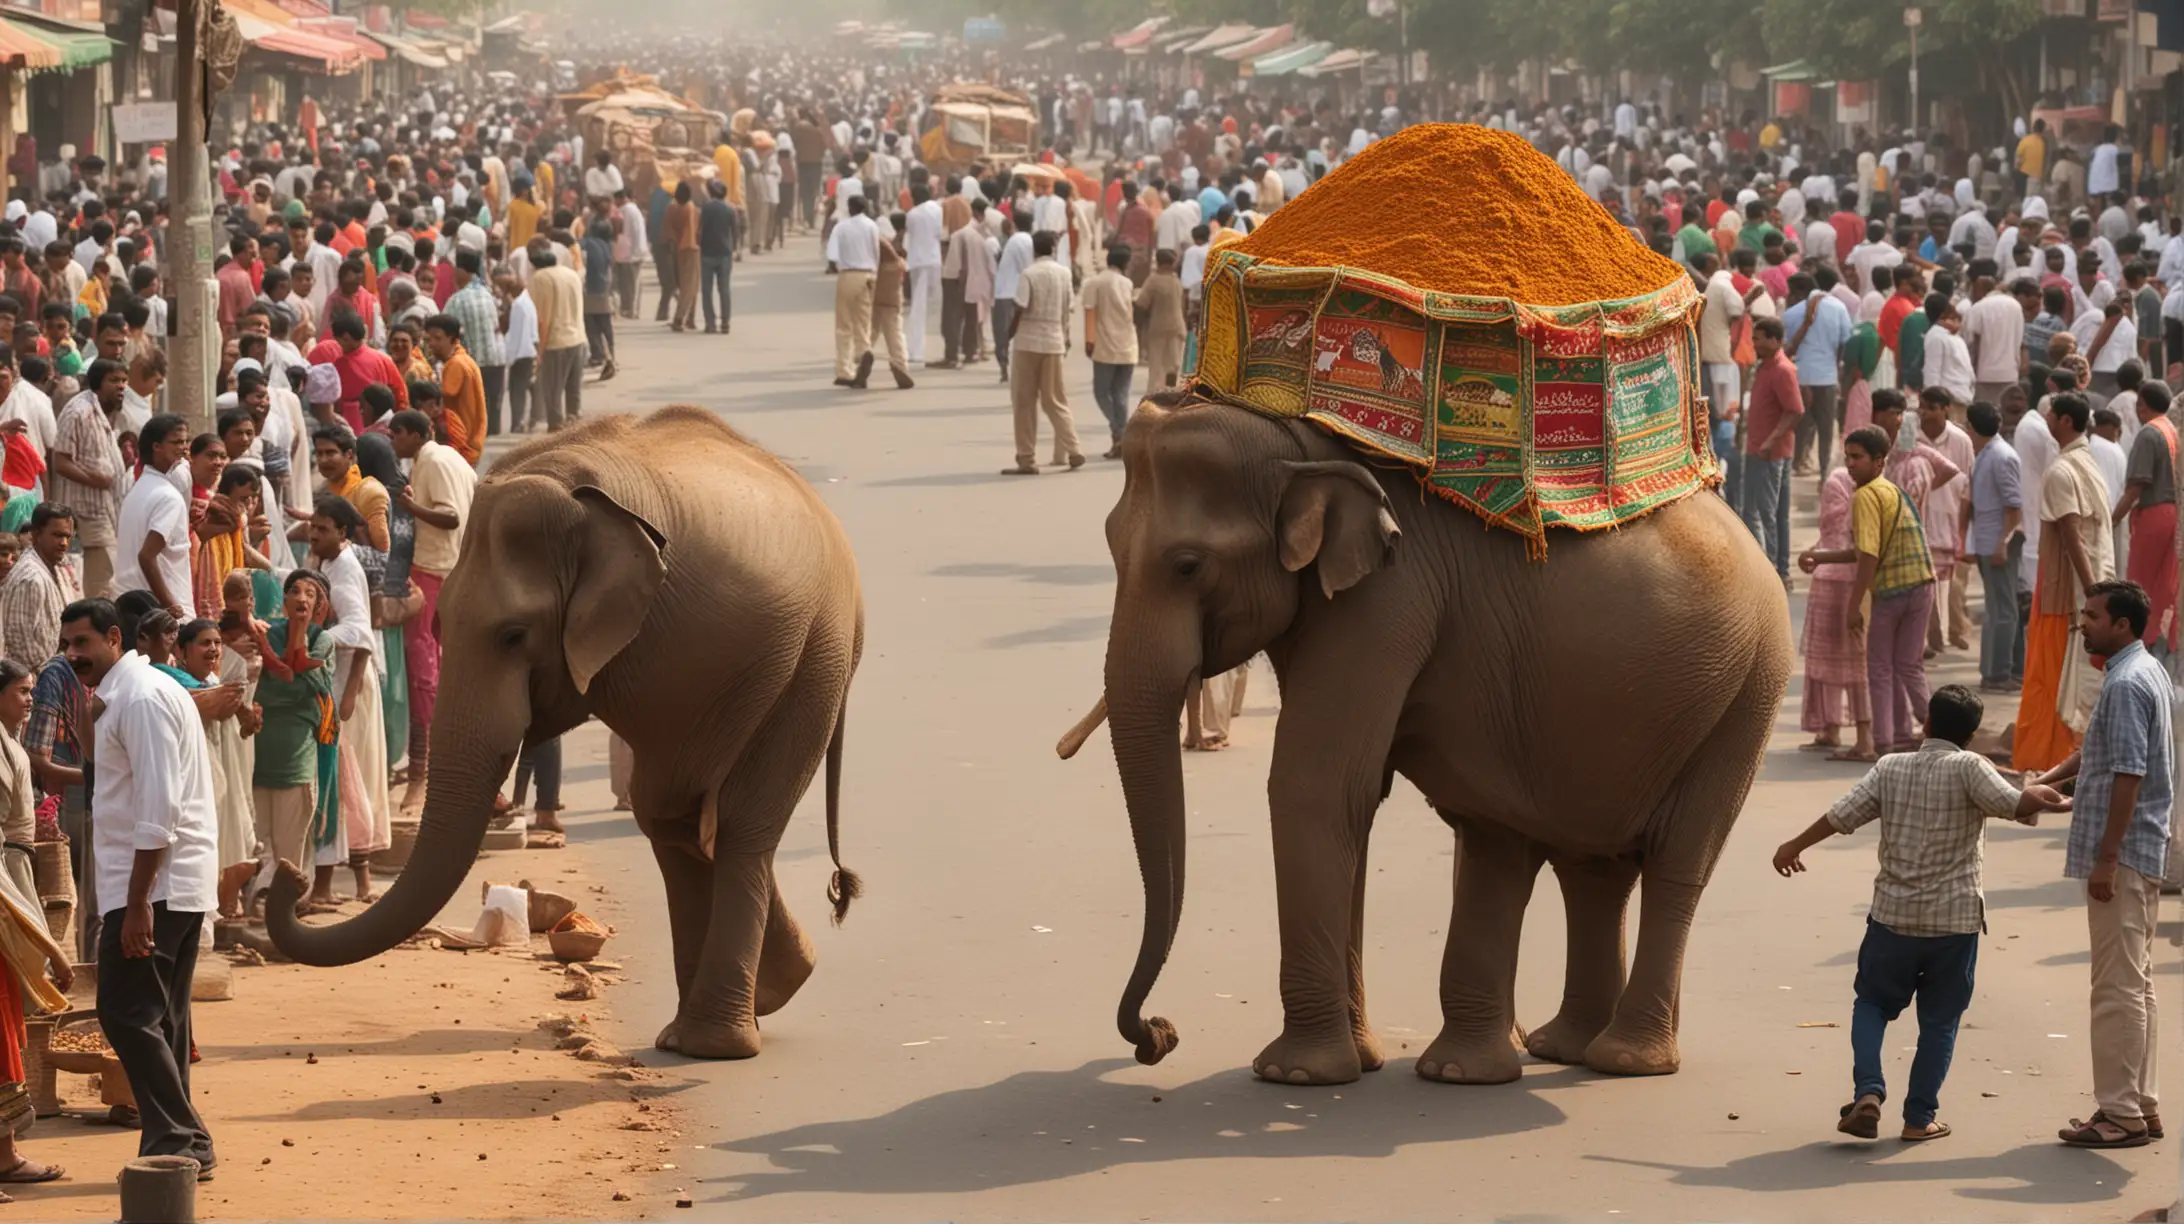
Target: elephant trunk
[466,775]
[1143,705]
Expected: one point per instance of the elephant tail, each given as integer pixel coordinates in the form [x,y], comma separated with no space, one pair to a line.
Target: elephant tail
[844,885]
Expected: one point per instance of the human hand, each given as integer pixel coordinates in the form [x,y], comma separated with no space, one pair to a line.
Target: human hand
[136,929]
[13,427]
[1854,621]
[63,974]
[2050,799]
[2000,558]
[1788,860]
[179,613]
[348,706]
[1807,562]
[2101,885]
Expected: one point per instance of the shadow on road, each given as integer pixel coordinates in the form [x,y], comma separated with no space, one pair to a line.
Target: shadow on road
[2042,1172]
[1041,1126]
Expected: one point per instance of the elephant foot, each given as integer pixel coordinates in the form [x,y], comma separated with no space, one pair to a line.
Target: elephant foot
[1622,1052]
[1369,1055]
[669,1039]
[701,1040]
[1291,1059]
[1563,1039]
[781,973]
[1460,1058]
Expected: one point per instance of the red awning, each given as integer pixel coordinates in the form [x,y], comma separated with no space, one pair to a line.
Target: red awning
[343,30]
[333,55]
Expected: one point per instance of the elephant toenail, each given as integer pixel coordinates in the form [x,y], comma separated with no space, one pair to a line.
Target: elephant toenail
[1298,1076]
[1429,1069]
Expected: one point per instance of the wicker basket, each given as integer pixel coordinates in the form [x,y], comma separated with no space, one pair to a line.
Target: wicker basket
[576,938]
[52,868]
[39,1072]
[79,1062]
[60,920]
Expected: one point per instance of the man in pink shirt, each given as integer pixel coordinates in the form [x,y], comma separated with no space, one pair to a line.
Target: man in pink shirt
[1770,438]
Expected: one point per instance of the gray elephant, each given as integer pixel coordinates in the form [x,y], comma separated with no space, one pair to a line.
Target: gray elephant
[1606,708]
[670,577]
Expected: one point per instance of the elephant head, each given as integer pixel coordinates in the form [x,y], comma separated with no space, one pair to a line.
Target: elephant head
[554,581]
[1228,523]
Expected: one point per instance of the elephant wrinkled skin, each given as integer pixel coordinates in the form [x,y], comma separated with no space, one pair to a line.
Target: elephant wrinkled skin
[1603,710]
[691,591]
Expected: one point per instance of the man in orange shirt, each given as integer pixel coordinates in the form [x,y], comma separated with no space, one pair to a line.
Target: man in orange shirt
[462,387]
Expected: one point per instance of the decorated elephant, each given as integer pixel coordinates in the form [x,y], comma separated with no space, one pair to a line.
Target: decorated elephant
[690,590]
[1604,708]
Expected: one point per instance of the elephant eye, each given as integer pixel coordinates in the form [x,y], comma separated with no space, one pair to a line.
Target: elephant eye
[1187,565]
[510,637]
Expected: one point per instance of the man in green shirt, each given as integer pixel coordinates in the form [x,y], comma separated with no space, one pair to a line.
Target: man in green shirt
[296,694]
[1756,227]
[1911,347]
[1692,242]
[56,321]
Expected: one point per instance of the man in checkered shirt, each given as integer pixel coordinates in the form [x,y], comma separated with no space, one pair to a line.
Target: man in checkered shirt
[2119,842]
[1922,933]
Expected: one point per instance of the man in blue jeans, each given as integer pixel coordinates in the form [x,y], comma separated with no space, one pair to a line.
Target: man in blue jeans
[1922,933]
[718,225]
[1770,431]
[1995,539]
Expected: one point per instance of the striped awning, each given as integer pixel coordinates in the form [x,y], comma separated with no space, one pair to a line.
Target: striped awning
[1341,61]
[409,51]
[332,56]
[1139,34]
[22,48]
[1221,36]
[1291,58]
[1273,38]
[69,45]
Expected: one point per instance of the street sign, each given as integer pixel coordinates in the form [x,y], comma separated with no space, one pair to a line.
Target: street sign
[143,122]
[1913,17]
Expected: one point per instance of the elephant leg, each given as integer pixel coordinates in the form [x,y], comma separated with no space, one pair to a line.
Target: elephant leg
[1681,846]
[1595,897]
[688,880]
[1318,861]
[754,803]
[785,959]
[1494,876]
[1369,1056]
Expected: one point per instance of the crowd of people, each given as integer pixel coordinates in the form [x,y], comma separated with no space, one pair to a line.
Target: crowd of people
[217,638]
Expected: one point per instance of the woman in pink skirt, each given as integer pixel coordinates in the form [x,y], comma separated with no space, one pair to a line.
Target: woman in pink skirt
[1835,662]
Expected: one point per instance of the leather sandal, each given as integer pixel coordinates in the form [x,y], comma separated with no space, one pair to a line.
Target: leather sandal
[2103,1133]
[1861,1118]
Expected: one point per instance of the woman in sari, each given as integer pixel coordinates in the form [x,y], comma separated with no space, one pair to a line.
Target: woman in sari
[25,946]
[202,663]
[220,541]
[376,462]
[1836,694]
[366,816]
[208,458]
[296,688]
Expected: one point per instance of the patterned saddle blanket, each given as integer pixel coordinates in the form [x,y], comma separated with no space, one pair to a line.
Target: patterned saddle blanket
[1583,417]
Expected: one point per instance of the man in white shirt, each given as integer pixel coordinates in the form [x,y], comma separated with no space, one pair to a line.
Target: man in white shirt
[1994,334]
[856,243]
[603,178]
[1016,255]
[2101,171]
[921,255]
[1717,356]
[2108,337]
[152,544]
[1039,332]
[519,346]
[154,851]
[1172,228]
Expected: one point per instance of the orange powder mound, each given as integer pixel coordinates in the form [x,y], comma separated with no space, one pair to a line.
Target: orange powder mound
[1463,209]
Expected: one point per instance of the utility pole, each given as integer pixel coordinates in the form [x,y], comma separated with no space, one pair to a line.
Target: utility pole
[1912,18]
[191,359]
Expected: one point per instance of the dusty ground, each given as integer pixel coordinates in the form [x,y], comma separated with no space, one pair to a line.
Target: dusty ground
[955,1056]
[434,1094]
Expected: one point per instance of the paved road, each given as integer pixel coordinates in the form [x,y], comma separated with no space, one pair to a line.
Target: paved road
[955,1055]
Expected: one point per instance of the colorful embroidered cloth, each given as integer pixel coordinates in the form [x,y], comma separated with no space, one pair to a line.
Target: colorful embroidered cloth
[1530,417]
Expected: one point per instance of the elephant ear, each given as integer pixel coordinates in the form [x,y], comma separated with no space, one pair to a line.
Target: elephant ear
[1335,514]
[618,575]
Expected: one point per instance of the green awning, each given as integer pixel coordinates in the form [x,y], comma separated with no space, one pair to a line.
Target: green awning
[80,44]
[1795,70]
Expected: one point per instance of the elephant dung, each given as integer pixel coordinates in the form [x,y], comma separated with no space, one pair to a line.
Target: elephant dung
[599,1051]
[574,1041]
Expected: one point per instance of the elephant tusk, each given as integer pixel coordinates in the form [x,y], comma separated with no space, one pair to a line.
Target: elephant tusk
[1074,738]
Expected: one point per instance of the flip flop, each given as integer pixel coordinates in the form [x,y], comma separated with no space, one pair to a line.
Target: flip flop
[1933,1131]
[21,1174]
[1847,755]
[2091,1135]
[1819,747]
[1862,1118]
